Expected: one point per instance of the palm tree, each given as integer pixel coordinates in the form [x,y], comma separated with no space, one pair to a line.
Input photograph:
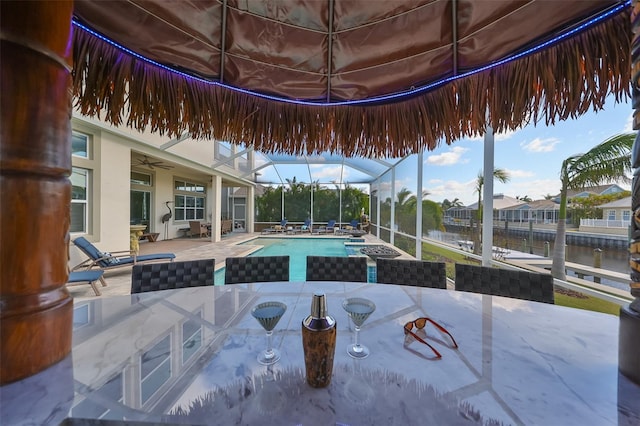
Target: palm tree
[446,204]
[607,162]
[502,176]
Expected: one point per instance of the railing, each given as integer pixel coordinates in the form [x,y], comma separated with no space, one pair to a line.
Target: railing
[604,223]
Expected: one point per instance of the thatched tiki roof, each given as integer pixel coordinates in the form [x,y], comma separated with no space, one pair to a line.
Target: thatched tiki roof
[280,76]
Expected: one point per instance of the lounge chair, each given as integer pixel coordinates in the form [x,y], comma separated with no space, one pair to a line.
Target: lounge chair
[87,277]
[329,229]
[351,229]
[304,228]
[276,228]
[170,275]
[106,261]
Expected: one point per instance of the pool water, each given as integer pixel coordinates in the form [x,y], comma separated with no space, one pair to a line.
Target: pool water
[298,249]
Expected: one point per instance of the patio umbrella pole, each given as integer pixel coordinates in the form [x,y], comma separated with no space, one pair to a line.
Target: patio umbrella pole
[35,163]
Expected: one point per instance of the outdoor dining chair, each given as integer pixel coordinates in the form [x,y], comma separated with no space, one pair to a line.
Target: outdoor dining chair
[505,282]
[411,272]
[333,268]
[256,269]
[171,275]
[198,228]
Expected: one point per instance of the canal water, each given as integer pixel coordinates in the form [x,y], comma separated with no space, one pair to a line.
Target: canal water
[613,259]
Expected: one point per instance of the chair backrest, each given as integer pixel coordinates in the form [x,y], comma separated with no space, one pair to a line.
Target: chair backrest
[505,282]
[195,227]
[90,250]
[331,223]
[307,222]
[411,272]
[330,268]
[170,275]
[283,222]
[354,223]
[256,269]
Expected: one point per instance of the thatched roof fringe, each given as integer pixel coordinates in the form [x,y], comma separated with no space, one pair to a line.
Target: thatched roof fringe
[561,82]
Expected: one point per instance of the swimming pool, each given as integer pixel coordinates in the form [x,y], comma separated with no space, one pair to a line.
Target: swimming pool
[298,249]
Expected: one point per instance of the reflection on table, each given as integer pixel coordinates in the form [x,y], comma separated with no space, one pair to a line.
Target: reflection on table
[189,356]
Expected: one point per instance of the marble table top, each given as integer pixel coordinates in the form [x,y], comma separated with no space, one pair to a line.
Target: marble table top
[189,357]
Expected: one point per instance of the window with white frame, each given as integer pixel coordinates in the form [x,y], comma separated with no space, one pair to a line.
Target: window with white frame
[626,215]
[79,200]
[611,215]
[82,315]
[189,200]
[191,337]
[92,408]
[79,145]
[81,182]
[155,368]
[140,178]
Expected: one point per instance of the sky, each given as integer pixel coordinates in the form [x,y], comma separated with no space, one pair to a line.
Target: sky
[532,156]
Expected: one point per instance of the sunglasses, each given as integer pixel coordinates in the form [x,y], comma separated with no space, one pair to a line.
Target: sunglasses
[421,323]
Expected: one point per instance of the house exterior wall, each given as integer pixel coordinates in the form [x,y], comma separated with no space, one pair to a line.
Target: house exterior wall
[109,189]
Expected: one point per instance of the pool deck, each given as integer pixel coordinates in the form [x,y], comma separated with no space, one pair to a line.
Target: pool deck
[119,280]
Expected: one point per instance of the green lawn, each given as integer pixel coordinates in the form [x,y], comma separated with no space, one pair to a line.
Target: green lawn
[437,254]
[589,303]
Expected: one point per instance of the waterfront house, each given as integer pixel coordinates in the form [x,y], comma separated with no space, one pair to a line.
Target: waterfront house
[616,217]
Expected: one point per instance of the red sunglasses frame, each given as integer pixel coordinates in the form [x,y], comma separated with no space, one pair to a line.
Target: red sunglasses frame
[408,327]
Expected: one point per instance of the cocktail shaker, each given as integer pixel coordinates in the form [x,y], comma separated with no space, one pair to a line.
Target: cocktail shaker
[319,342]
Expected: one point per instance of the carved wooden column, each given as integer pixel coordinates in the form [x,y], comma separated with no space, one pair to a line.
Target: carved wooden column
[35,162]
[629,337]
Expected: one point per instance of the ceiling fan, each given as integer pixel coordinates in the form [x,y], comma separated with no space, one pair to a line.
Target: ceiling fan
[149,162]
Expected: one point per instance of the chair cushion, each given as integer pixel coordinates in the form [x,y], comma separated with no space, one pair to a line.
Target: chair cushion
[84,276]
[154,256]
[90,250]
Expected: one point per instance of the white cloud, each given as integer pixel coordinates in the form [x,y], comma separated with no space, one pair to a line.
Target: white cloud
[519,173]
[628,127]
[535,189]
[451,189]
[320,173]
[540,145]
[449,158]
[499,137]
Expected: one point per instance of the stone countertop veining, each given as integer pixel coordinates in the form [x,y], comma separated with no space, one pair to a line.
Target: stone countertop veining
[189,357]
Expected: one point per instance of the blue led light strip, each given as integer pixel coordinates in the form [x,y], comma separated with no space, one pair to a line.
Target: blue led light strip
[378,99]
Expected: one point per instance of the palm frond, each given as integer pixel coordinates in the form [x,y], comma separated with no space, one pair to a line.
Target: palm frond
[607,162]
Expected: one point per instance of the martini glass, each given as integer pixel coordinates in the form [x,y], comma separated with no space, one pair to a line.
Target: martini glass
[359,310]
[268,314]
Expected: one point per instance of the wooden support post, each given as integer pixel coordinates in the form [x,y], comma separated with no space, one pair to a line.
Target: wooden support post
[35,161]
[629,331]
